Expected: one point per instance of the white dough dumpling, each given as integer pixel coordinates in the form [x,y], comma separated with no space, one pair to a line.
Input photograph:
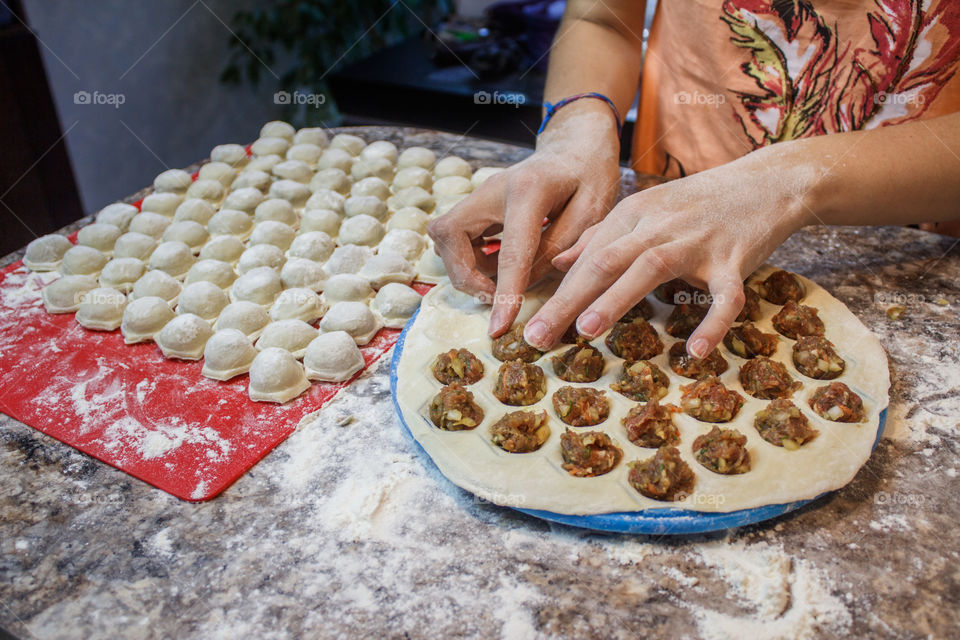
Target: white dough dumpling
[305,152]
[276,376]
[312,245]
[276,210]
[348,259]
[218,272]
[193,234]
[350,143]
[65,294]
[413,177]
[278,129]
[300,272]
[184,337]
[195,210]
[362,229]
[386,267]
[409,218]
[291,335]
[227,354]
[210,190]
[247,317]
[46,252]
[395,304]
[261,255]
[150,223]
[122,273]
[119,214]
[324,220]
[452,166]
[312,135]
[371,187]
[134,245]
[404,242]
[203,299]
[223,248]
[416,157]
[295,170]
[245,199]
[365,206]
[271,232]
[173,181]
[376,167]
[430,268]
[335,159]
[298,303]
[347,287]
[326,199]
[163,203]
[231,222]
[412,197]
[173,257]
[82,261]
[263,163]
[261,285]
[219,171]
[252,179]
[380,149]
[234,155]
[269,146]
[333,179]
[159,284]
[332,357]
[100,236]
[355,318]
[452,186]
[144,318]
[101,309]
[295,192]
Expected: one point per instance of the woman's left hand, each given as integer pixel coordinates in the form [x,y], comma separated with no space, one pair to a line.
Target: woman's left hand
[711,229]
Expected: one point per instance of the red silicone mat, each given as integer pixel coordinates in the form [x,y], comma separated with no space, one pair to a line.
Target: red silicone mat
[158,420]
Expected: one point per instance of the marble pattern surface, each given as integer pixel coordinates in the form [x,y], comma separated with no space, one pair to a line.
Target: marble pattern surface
[346,530]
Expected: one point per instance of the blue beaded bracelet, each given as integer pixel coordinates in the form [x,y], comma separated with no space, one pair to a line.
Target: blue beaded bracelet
[552,109]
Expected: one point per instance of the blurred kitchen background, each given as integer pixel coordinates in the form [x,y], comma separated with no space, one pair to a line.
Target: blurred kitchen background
[96,98]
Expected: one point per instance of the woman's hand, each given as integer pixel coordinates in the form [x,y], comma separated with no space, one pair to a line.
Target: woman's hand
[711,229]
[572,179]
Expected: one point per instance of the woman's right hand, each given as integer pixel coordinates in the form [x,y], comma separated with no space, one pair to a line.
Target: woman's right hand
[572,178]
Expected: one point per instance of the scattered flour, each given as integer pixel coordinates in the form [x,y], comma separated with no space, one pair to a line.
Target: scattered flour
[158,440]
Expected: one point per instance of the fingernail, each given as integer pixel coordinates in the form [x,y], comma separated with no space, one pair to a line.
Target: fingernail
[588,324]
[698,349]
[496,319]
[535,333]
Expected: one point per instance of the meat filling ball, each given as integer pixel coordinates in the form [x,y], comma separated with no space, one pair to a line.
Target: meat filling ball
[767,379]
[457,365]
[837,402]
[520,431]
[641,381]
[588,454]
[642,309]
[580,406]
[520,384]
[817,358]
[782,286]
[784,425]
[651,424]
[747,341]
[708,400]
[581,363]
[795,320]
[453,409]
[689,367]
[634,340]
[723,451]
[663,476]
[677,291]
[570,336]
[511,346]
[684,319]
[751,306]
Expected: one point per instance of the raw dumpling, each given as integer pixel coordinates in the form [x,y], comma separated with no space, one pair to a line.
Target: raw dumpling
[150,223]
[291,190]
[276,233]
[252,178]
[348,259]
[371,187]
[261,285]
[122,273]
[269,145]
[413,197]
[219,171]
[350,143]
[300,272]
[347,287]
[332,179]
[195,210]
[173,257]
[312,245]
[203,299]
[332,357]
[144,318]
[276,376]
[377,167]
[101,309]
[295,170]
[134,245]
[64,295]
[446,203]
[452,186]
[276,210]
[82,261]
[264,163]
[184,337]
[228,353]
[395,304]
[403,242]
[290,335]
[278,129]
[386,267]
[452,166]
[231,222]
[244,199]
[409,218]
[365,206]
[380,149]
[353,317]
[326,199]
[119,214]
[324,220]
[297,303]
[431,268]
[246,317]
[233,154]
[100,236]
[192,234]
[482,174]
[311,135]
[159,284]
[210,190]
[305,152]
[335,159]
[216,271]
[172,181]
[46,253]
[416,157]
[223,248]
[163,203]
[362,229]
[261,255]
[413,177]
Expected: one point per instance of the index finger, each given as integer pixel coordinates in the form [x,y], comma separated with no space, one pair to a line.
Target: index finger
[453,234]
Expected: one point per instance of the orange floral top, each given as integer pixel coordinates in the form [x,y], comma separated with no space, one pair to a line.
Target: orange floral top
[724,77]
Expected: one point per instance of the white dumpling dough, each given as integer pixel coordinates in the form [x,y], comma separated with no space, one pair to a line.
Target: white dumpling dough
[347,287]
[64,294]
[159,284]
[300,272]
[371,187]
[348,259]
[276,210]
[184,337]
[333,179]
[144,318]
[291,335]
[484,173]
[295,192]
[173,257]
[365,206]
[219,171]
[261,285]
[446,203]
[312,135]
[100,236]
[101,309]
[377,167]
[386,267]
[244,316]
[409,218]
[276,376]
[362,229]
[194,209]
[312,245]
[203,299]
[231,222]
[46,252]
[430,268]
[413,177]
[326,199]
[163,203]
[295,170]
[244,199]
[264,163]
[82,261]
[252,179]
[452,186]
[335,159]
[227,354]
[234,155]
[271,232]
[278,129]
[403,242]
[380,149]
[298,303]
[412,197]
[395,304]
[218,272]
[172,181]
[350,143]
[210,190]
[416,157]
[119,214]
[223,248]
[324,220]
[122,273]
[355,318]
[452,166]
[332,357]
[193,234]
[305,152]
[150,223]
[269,146]
[134,245]
[261,255]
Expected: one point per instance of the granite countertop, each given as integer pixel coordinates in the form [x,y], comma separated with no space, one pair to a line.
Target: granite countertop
[344,530]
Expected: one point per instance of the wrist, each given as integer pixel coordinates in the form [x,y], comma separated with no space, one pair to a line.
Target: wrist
[581,125]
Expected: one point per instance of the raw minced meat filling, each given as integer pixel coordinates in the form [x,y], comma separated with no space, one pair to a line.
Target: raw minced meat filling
[722,451]
[816,357]
[581,406]
[651,424]
[747,341]
[634,340]
[641,381]
[520,431]
[663,476]
[520,383]
[457,365]
[689,367]
[838,402]
[453,409]
[795,320]
[709,401]
[580,363]
[511,346]
[767,379]
[588,454]
[782,424]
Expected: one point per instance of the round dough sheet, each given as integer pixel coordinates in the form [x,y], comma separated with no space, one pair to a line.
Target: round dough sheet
[449,319]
